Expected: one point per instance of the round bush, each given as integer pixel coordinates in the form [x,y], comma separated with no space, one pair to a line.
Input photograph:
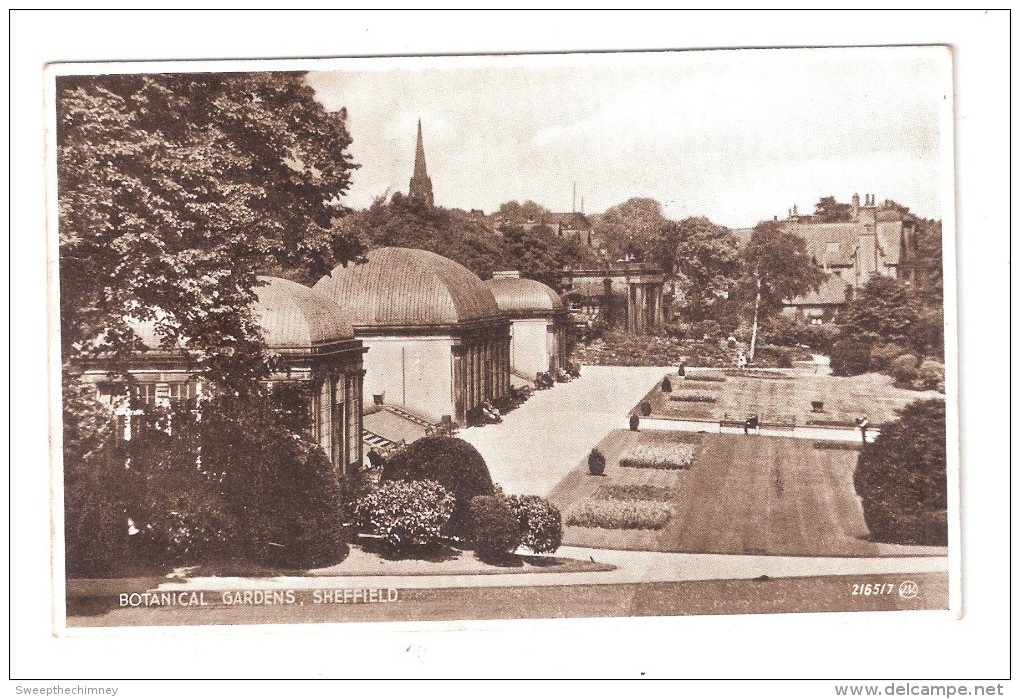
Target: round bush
[646,408]
[540,522]
[667,386]
[882,356]
[901,477]
[850,357]
[449,461]
[596,462]
[904,370]
[495,530]
[407,514]
[931,376]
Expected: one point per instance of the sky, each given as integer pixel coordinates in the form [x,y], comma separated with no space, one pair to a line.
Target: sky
[737,136]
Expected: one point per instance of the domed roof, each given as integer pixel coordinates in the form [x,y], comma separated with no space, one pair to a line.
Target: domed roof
[516,295]
[401,287]
[292,316]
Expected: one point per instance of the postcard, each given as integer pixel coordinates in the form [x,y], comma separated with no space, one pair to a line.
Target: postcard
[504,337]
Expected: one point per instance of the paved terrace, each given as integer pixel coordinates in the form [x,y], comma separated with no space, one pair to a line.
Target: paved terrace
[540,442]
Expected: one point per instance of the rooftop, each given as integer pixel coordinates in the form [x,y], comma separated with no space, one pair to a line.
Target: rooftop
[403,287]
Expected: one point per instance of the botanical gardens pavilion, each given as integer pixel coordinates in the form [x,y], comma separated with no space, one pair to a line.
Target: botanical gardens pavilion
[538,340]
[310,335]
[437,342]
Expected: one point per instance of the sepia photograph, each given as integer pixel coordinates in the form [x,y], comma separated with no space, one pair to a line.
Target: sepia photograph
[377,345]
[358,342]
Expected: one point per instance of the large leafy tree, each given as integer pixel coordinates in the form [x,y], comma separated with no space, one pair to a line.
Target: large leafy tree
[705,259]
[777,267]
[516,213]
[633,228]
[174,191]
[410,223]
[828,210]
[882,310]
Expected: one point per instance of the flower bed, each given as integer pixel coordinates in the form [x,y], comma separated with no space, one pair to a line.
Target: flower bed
[847,446]
[710,378]
[692,398]
[615,514]
[629,491]
[755,374]
[660,455]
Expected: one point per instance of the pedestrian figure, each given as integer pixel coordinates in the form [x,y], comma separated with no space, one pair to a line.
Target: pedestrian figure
[862,423]
[751,423]
[741,360]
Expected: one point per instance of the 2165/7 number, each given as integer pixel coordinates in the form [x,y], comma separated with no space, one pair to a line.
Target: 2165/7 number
[872,589]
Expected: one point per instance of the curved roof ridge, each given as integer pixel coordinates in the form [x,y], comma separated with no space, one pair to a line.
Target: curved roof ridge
[518,294]
[407,287]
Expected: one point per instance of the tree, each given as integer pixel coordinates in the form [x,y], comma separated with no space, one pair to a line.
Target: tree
[901,477]
[828,210]
[633,228]
[515,213]
[175,190]
[411,223]
[883,310]
[537,253]
[777,268]
[705,259]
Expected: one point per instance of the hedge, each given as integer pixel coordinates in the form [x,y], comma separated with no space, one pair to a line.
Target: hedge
[901,477]
[406,514]
[540,522]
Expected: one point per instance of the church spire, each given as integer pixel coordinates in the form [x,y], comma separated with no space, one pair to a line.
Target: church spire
[421,185]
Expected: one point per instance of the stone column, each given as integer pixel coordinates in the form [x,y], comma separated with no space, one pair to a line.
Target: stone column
[459,381]
[631,313]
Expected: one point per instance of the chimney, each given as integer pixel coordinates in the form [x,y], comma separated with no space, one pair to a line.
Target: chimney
[855,206]
[507,274]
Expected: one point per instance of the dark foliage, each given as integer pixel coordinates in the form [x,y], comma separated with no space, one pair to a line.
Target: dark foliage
[596,462]
[495,529]
[95,517]
[850,357]
[540,522]
[901,477]
[451,462]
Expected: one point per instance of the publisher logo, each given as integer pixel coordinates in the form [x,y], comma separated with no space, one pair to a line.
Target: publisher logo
[908,589]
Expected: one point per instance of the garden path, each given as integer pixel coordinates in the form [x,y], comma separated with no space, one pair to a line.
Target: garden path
[541,441]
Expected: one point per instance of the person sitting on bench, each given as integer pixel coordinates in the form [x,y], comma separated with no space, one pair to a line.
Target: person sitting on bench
[751,423]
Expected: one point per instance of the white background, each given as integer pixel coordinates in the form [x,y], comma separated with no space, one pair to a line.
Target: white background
[795,646]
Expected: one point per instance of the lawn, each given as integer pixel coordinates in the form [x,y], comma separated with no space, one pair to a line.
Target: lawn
[778,398]
[742,495]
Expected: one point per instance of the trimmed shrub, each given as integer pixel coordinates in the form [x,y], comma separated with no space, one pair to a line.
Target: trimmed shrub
[784,360]
[850,357]
[596,462]
[903,369]
[540,522]
[635,422]
[495,529]
[615,514]
[451,462]
[667,385]
[406,514]
[931,376]
[659,456]
[646,408]
[901,477]
[882,356]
